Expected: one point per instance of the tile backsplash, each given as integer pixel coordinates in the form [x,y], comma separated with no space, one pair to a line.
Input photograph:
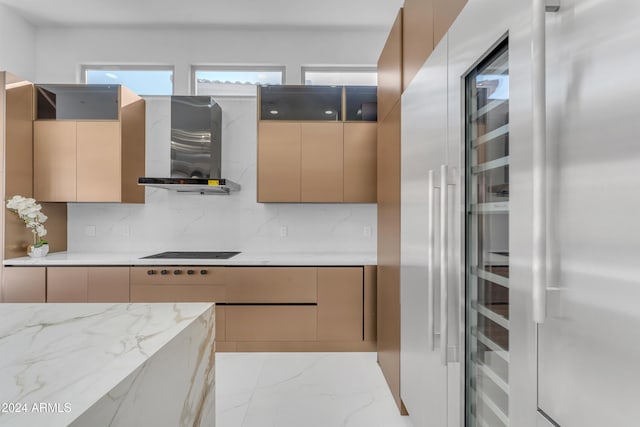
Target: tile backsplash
[183,221]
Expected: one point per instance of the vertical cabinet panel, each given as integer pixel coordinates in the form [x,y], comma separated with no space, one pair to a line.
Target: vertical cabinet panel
[54,161]
[98,161]
[279,162]
[388,293]
[444,13]
[360,168]
[67,284]
[322,162]
[417,37]
[340,310]
[23,284]
[390,70]
[108,284]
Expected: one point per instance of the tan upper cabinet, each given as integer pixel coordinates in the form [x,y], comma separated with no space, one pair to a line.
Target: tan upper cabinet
[390,70]
[54,161]
[279,162]
[92,160]
[322,162]
[360,162]
[23,284]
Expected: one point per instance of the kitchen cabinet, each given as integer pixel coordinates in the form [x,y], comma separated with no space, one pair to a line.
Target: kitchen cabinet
[390,69]
[273,308]
[279,162]
[360,162]
[87,284]
[324,162]
[389,249]
[91,160]
[23,284]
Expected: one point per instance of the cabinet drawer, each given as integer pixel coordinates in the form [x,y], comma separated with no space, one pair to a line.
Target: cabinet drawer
[271,284]
[270,323]
[24,284]
[140,276]
[177,293]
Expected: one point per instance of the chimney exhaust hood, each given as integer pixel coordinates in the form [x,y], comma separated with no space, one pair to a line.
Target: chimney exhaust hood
[196,148]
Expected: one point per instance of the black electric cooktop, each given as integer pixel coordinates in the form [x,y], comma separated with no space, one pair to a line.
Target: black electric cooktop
[193,255]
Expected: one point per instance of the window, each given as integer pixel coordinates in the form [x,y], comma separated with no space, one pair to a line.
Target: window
[234,80]
[340,76]
[143,80]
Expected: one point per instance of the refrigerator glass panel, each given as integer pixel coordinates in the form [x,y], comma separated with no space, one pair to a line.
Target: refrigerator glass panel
[487,241]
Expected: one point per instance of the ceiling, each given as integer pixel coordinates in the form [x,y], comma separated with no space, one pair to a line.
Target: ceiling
[229,13]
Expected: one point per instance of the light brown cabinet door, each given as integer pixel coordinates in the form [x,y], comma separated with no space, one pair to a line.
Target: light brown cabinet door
[270,323]
[390,70]
[23,284]
[54,161]
[360,167]
[271,284]
[67,284]
[322,162]
[108,284]
[417,37]
[278,162]
[98,162]
[340,298]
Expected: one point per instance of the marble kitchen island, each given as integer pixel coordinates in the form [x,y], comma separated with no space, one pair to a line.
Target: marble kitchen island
[107,364]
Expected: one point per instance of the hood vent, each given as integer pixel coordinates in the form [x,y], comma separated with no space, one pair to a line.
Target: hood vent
[196,148]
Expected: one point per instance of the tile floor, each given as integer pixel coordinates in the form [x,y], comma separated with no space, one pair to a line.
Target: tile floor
[303,390]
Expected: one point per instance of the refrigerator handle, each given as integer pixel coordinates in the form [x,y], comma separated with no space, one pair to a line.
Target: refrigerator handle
[444,265]
[539,124]
[431,236]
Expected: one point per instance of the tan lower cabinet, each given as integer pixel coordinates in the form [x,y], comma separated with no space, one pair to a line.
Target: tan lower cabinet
[23,284]
[340,309]
[87,284]
[271,323]
[322,162]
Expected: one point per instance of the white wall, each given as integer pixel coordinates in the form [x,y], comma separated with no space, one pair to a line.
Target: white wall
[17,44]
[176,221]
[60,51]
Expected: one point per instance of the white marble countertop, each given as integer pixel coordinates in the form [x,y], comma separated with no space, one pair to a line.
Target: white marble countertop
[68,356]
[244,258]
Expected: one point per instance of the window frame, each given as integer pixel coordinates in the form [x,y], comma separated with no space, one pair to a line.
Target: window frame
[335,68]
[130,67]
[228,67]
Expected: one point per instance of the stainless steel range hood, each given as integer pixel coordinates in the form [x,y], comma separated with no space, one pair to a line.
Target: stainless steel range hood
[196,148]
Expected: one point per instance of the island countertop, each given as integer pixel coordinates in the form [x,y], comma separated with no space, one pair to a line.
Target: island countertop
[242,259]
[82,364]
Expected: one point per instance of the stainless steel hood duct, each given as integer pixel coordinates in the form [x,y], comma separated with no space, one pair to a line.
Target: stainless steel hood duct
[196,148]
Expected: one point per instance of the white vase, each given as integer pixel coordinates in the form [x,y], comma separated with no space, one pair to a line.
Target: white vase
[39,251]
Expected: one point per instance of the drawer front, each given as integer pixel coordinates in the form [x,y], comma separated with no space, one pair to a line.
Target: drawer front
[177,293]
[108,284]
[152,275]
[271,284]
[270,323]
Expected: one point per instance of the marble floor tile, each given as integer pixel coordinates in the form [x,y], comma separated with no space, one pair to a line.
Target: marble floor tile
[303,389]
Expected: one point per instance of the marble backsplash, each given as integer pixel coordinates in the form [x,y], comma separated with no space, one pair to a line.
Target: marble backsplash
[179,221]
